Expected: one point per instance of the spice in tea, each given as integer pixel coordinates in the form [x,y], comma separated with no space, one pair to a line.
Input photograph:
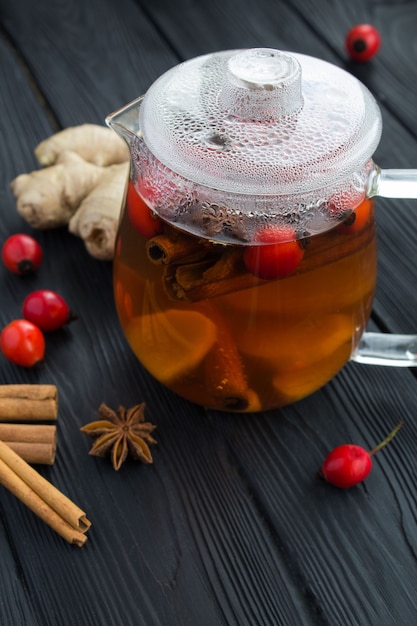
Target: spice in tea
[220,336]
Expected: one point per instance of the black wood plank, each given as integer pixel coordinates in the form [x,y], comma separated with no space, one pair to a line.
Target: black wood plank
[389,74]
[87,59]
[231,524]
[349,533]
[27,124]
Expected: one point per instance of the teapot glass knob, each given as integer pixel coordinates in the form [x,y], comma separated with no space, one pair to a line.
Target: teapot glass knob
[262,84]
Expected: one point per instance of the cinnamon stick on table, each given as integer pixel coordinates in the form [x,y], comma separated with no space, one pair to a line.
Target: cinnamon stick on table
[35,443]
[30,403]
[39,495]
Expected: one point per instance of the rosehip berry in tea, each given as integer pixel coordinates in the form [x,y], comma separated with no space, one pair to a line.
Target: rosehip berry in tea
[362,42]
[279,256]
[141,217]
[23,343]
[47,309]
[357,220]
[251,297]
[21,254]
[205,320]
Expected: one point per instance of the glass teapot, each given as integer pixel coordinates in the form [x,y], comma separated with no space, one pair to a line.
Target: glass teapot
[245,260]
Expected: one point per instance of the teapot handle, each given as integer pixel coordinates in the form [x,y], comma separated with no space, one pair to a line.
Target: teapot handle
[386,349]
[392,183]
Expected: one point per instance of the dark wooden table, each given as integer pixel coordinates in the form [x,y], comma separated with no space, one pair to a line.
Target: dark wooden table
[230,525]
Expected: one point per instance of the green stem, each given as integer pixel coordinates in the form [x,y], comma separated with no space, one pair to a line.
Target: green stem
[387,439]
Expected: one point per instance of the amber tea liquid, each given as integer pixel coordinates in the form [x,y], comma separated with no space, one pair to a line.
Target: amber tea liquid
[222,338]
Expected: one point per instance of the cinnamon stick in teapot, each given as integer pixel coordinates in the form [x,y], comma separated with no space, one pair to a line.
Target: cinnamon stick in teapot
[173,246]
[196,269]
[225,377]
[217,271]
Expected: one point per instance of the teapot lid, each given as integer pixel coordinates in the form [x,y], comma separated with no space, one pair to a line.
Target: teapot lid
[260,121]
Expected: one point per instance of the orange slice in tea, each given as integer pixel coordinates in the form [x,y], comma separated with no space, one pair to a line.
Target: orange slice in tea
[171,343]
[299,346]
[318,362]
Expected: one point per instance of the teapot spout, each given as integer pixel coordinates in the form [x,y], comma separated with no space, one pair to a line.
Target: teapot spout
[125,121]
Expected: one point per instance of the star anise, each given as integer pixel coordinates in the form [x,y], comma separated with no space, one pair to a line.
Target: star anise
[120,433]
[216,219]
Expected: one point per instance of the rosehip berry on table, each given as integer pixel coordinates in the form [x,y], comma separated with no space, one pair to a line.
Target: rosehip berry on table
[22,343]
[349,464]
[278,257]
[21,254]
[140,215]
[362,42]
[47,309]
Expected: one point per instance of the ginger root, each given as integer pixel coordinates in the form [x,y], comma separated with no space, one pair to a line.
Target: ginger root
[48,198]
[94,143]
[81,185]
[96,219]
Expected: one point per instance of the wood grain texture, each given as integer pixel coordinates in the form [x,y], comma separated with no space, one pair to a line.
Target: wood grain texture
[77,54]
[230,525]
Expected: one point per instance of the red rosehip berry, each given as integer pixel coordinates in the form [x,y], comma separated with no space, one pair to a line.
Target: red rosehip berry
[357,219]
[47,309]
[346,465]
[22,343]
[277,257]
[362,42]
[21,254]
[140,215]
[349,464]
